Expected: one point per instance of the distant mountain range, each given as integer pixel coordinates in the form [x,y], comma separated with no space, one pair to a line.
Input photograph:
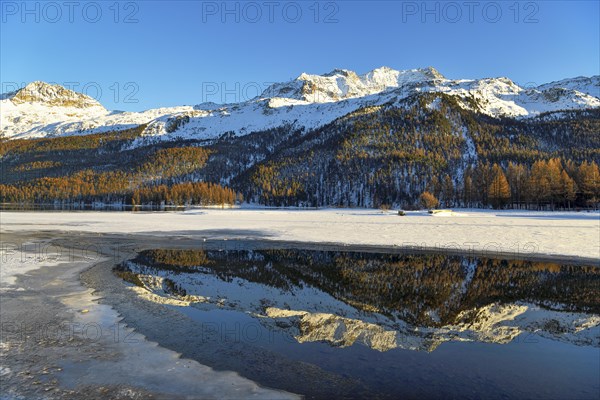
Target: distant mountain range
[340,139]
[308,102]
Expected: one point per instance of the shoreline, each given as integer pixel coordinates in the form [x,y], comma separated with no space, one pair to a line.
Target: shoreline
[60,340]
[153,241]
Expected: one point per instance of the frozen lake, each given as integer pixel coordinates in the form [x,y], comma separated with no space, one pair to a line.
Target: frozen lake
[558,234]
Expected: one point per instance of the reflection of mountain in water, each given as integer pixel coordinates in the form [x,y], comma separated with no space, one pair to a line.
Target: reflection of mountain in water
[384,301]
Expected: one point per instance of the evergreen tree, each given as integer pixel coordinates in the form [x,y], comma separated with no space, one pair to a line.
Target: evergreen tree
[518,176]
[468,189]
[539,183]
[589,183]
[553,173]
[499,190]
[568,188]
[448,191]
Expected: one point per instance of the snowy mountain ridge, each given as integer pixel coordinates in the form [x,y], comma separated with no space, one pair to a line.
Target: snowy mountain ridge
[341,84]
[307,102]
[50,95]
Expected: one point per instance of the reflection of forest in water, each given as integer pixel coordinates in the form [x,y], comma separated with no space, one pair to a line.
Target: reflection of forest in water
[403,286]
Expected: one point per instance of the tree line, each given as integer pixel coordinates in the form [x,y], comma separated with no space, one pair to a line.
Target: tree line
[116,188]
[153,182]
[548,184]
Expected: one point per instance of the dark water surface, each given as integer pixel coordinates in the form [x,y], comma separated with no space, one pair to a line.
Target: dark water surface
[384,325]
[86,207]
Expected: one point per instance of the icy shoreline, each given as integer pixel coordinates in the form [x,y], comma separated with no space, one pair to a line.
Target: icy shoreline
[516,233]
[84,347]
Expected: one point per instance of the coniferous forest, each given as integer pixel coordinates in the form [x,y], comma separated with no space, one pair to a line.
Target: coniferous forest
[387,156]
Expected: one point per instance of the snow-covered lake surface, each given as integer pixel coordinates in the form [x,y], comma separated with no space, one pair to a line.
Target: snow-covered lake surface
[518,232]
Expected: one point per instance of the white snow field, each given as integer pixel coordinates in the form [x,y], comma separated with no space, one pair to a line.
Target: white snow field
[561,234]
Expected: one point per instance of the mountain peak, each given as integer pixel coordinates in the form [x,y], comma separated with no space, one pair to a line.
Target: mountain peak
[51,95]
[343,72]
[342,84]
[433,73]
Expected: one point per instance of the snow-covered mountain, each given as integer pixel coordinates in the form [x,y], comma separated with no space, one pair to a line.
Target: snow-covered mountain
[48,95]
[309,101]
[341,84]
[589,86]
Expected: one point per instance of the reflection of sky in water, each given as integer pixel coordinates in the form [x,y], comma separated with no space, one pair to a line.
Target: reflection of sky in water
[530,366]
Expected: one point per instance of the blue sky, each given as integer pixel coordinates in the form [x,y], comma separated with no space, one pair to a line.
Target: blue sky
[146,54]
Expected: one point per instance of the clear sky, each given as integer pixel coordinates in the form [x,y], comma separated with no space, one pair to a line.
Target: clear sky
[134,55]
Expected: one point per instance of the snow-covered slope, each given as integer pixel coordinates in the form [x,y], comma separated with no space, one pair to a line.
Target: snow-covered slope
[589,86]
[40,109]
[310,101]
